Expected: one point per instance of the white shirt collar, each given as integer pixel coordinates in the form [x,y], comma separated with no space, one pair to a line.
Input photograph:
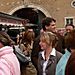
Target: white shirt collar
[52,53]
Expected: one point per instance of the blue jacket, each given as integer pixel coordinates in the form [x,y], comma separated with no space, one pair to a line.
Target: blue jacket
[60,68]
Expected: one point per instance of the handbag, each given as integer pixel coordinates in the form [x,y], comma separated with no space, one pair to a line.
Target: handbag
[21,57]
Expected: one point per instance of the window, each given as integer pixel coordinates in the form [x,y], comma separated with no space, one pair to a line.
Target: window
[68,20]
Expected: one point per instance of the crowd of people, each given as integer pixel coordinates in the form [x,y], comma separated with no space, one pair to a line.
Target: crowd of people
[52,52]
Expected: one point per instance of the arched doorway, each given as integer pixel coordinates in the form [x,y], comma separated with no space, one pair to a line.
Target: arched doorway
[33,15]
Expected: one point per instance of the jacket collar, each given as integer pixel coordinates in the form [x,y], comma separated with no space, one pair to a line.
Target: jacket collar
[53,53]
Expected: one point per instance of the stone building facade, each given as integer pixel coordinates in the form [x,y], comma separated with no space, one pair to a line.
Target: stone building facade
[62,10]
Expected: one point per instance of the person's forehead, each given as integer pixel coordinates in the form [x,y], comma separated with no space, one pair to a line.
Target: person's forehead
[52,23]
[69,27]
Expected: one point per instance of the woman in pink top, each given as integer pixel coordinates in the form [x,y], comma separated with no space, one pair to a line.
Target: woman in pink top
[9,64]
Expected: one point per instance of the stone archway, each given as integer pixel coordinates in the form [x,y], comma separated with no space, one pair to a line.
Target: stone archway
[32,6]
[37,8]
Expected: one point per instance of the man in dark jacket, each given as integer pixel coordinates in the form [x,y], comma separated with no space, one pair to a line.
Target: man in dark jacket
[48,24]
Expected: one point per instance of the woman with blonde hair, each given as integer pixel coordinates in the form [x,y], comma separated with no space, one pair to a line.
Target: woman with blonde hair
[49,57]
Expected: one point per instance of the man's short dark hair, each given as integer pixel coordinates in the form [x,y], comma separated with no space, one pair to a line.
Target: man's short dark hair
[46,22]
[69,25]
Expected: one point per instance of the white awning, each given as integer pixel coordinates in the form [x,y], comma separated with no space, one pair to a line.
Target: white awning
[10,24]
